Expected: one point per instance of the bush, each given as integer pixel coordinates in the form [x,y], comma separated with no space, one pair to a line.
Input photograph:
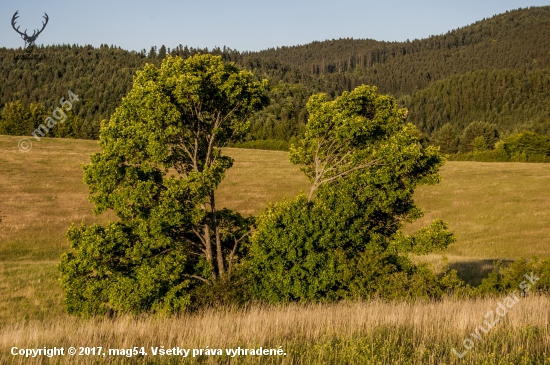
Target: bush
[18,119]
[302,253]
[220,294]
[506,277]
[496,155]
[112,271]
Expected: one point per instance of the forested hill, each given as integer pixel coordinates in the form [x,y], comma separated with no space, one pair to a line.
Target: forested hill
[495,70]
[513,40]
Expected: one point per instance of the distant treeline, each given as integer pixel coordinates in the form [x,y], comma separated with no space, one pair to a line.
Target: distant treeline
[480,141]
[494,71]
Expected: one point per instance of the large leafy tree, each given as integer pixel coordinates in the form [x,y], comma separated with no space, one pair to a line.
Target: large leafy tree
[343,239]
[160,164]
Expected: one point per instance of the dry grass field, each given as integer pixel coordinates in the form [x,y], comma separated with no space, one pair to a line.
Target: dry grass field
[496,210]
[376,332]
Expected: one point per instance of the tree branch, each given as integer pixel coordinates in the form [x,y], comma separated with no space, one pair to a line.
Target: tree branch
[198,278]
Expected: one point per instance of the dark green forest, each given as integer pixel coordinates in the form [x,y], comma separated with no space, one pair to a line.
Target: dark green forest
[494,71]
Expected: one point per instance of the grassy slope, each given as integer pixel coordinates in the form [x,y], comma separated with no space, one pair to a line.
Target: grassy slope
[497,210]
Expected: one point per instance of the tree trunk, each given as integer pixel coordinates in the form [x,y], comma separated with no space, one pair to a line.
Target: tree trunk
[208,250]
[215,228]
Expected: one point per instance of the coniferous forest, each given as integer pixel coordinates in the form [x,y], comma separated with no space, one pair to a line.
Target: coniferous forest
[495,71]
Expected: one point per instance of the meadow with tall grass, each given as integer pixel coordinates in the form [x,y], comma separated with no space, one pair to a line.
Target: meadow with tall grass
[374,332]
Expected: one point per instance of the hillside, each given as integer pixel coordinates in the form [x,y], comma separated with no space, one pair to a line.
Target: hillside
[516,39]
[494,70]
[508,98]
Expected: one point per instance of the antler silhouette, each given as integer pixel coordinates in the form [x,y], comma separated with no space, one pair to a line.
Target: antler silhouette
[15,16]
[43,26]
[29,39]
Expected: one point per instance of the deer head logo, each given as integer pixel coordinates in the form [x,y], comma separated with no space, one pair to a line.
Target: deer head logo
[29,40]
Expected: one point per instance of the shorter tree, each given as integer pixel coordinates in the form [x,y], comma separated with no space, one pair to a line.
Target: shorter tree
[343,238]
[480,144]
[478,129]
[446,139]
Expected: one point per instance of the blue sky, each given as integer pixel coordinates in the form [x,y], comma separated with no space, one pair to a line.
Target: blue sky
[240,24]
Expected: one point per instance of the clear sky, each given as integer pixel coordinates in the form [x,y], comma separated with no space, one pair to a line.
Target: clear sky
[240,24]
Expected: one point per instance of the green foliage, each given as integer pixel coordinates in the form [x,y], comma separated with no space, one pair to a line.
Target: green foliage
[435,237]
[15,119]
[511,98]
[496,155]
[344,239]
[159,165]
[221,293]
[480,144]
[507,277]
[124,269]
[530,143]
[446,139]
[19,120]
[285,117]
[519,147]
[478,136]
